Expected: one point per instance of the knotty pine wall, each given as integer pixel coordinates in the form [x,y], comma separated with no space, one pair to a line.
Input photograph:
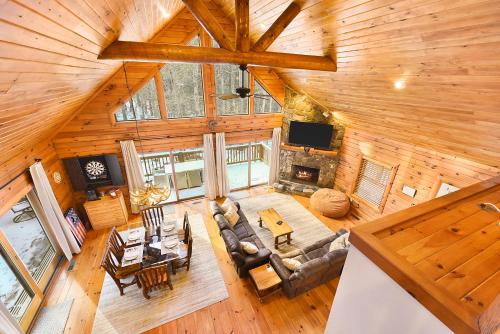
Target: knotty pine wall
[419,168]
[17,184]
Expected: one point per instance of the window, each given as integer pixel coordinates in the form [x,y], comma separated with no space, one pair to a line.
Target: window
[27,259]
[264,103]
[183,87]
[145,104]
[372,182]
[227,79]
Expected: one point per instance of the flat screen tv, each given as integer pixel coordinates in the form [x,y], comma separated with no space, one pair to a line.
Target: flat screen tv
[315,135]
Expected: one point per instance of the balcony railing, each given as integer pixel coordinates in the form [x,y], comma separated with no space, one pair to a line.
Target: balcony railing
[234,155]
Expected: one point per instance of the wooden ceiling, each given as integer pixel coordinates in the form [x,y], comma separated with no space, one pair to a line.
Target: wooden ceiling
[443,53]
[48,59]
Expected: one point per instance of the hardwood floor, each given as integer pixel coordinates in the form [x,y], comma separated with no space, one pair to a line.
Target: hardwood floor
[242,312]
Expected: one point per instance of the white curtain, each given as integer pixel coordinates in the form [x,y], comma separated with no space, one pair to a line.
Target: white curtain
[209,171]
[220,154]
[135,178]
[54,219]
[274,169]
[8,325]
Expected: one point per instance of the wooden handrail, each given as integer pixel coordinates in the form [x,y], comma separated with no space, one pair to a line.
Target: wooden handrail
[386,241]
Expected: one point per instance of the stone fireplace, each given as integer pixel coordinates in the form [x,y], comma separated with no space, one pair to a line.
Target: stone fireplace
[316,170]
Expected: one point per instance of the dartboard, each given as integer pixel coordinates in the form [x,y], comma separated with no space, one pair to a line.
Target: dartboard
[95,168]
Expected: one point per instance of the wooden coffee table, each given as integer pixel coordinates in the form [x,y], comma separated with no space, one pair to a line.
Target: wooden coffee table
[265,280]
[271,218]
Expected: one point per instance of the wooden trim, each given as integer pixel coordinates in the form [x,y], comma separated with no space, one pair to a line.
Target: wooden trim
[277,27]
[251,99]
[160,53]
[436,299]
[313,151]
[14,192]
[439,180]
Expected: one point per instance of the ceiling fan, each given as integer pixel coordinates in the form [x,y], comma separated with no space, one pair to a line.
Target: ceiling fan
[240,92]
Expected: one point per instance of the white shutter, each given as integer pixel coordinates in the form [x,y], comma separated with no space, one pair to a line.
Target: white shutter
[372,182]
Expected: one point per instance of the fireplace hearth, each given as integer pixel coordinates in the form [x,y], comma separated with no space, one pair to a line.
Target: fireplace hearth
[303,174]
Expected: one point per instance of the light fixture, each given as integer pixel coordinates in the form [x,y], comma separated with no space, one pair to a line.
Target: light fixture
[150,194]
[399,84]
[163,12]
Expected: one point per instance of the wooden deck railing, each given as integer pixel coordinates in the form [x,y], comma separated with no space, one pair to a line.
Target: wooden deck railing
[234,155]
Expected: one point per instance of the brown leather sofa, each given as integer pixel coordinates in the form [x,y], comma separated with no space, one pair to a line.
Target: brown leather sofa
[233,235]
[319,266]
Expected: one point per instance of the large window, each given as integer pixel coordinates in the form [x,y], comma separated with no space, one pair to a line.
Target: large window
[145,104]
[182,170]
[27,260]
[183,87]
[227,79]
[264,103]
[372,182]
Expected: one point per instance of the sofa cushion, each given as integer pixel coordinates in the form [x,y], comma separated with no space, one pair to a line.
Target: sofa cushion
[249,247]
[222,222]
[228,204]
[232,242]
[291,264]
[254,240]
[243,230]
[232,216]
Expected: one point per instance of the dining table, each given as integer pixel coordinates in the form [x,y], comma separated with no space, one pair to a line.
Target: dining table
[154,246]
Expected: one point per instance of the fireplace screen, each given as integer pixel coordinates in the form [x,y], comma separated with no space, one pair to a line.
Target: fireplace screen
[305,174]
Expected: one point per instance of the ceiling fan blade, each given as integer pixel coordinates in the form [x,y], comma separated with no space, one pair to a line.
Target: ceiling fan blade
[228,96]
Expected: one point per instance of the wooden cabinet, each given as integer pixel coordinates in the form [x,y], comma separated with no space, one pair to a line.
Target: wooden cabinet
[107,212]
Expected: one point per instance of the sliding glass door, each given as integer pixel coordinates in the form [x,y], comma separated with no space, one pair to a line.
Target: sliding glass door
[182,170]
[28,259]
[248,164]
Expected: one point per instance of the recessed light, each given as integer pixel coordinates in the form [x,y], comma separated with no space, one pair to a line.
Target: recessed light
[399,84]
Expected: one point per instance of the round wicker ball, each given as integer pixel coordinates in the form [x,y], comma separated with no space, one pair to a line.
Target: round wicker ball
[331,203]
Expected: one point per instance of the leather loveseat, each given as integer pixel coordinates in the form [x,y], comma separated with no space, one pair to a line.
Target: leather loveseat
[233,235]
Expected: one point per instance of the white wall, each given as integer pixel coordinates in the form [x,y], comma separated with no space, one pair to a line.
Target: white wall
[368,301]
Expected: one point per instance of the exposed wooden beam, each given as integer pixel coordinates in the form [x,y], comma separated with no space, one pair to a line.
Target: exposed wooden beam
[209,22]
[154,52]
[242,8]
[277,28]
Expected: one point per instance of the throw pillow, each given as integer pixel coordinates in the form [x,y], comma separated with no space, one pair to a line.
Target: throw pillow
[248,247]
[228,204]
[341,242]
[291,264]
[232,216]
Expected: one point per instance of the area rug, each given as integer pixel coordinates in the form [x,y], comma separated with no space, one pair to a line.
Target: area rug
[52,319]
[307,229]
[201,286]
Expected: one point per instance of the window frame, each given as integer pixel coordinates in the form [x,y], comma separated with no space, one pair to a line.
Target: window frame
[437,184]
[254,81]
[393,171]
[12,258]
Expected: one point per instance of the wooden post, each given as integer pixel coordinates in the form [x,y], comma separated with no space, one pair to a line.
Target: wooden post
[242,25]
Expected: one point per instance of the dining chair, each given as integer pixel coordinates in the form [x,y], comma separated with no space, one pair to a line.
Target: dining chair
[154,278]
[186,229]
[185,252]
[116,243]
[119,275]
[152,217]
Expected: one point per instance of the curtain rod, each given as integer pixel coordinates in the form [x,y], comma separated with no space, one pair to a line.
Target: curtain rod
[6,184]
